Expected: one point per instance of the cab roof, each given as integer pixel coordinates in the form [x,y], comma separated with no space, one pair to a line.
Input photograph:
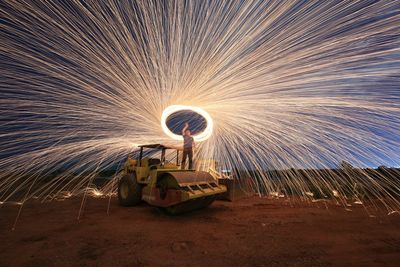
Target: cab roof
[157,146]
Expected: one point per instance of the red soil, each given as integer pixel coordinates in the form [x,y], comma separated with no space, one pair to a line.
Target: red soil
[248,232]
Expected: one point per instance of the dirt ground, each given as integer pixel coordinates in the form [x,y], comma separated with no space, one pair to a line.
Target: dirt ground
[249,232]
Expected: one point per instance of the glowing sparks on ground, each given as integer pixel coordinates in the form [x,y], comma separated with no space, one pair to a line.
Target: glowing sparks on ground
[290,85]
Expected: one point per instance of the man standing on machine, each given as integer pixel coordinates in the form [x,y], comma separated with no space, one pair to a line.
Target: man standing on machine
[188,144]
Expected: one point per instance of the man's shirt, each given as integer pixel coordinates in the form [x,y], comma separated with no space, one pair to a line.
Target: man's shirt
[187,142]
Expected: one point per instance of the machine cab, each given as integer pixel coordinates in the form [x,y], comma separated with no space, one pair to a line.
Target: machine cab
[152,159]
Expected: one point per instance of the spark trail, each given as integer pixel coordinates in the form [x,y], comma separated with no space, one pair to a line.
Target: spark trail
[288,84]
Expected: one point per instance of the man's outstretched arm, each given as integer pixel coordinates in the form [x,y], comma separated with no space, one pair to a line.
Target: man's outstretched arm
[185,128]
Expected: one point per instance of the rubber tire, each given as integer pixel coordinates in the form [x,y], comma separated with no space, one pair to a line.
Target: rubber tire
[134,191]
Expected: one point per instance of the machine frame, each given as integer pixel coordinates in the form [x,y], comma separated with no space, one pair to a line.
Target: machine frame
[165,185]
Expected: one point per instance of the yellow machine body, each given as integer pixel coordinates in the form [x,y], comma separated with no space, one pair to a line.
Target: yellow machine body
[164,184]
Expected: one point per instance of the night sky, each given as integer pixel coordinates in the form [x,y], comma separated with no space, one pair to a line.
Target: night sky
[15,121]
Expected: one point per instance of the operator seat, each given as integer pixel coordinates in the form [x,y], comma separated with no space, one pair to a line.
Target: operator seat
[153,163]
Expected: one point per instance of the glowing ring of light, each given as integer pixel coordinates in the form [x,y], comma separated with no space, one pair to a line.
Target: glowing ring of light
[204,135]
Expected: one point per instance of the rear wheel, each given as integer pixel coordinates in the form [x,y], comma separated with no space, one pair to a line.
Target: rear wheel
[129,190]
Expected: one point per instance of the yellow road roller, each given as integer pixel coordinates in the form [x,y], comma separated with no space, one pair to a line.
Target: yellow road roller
[161,183]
